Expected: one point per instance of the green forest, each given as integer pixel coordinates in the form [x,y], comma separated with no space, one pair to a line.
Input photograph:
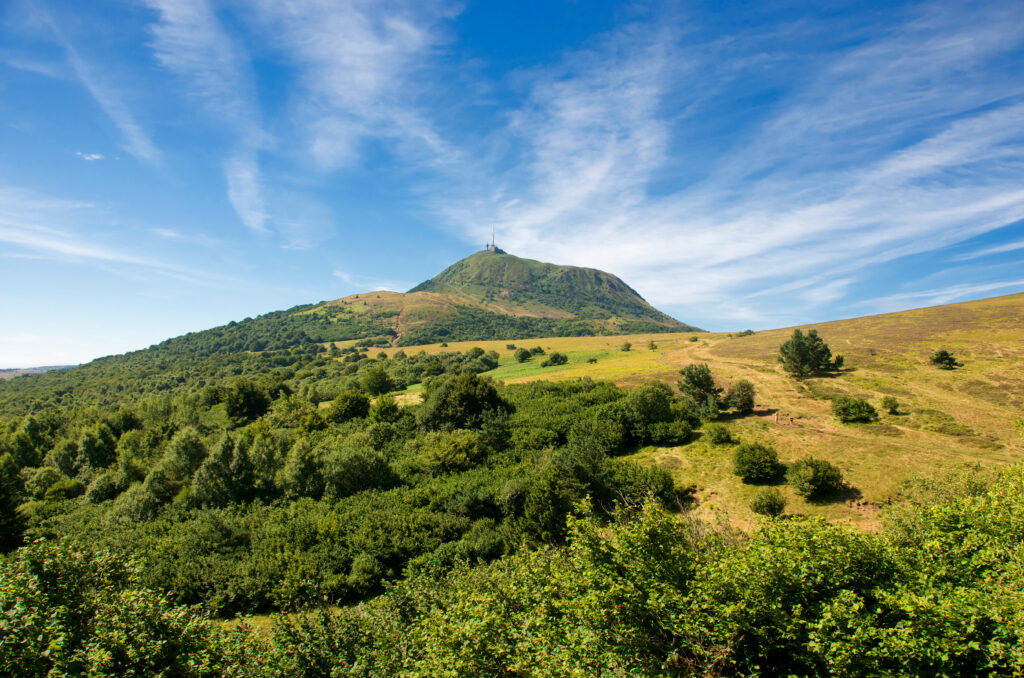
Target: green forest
[488,530]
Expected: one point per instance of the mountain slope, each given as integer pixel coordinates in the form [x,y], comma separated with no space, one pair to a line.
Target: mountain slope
[509,284]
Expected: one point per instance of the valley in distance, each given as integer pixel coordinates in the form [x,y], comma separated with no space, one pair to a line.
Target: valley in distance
[519,468]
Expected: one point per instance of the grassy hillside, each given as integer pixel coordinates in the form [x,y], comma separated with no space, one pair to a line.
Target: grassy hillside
[508,284]
[945,418]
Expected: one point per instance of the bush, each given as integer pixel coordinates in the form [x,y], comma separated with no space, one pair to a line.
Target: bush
[849,410]
[768,502]
[814,478]
[626,346]
[890,405]
[555,359]
[521,355]
[669,433]
[741,396]
[718,434]
[756,463]
[536,350]
[69,488]
[699,384]
[945,359]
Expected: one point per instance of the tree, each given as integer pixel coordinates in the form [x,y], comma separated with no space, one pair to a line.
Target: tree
[350,404]
[699,384]
[301,475]
[11,523]
[848,410]
[626,346]
[890,404]
[807,354]
[945,360]
[741,396]
[768,502]
[246,401]
[756,463]
[651,345]
[376,381]
[814,478]
[521,355]
[385,409]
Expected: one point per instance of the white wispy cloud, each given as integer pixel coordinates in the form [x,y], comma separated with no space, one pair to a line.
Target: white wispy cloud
[989,251]
[107,96]
[189,40]
[358,63]
[89,156]
[901,145]
[944,295]
[60,229]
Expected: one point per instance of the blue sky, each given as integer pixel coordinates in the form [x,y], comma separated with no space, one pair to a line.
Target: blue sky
[170,165]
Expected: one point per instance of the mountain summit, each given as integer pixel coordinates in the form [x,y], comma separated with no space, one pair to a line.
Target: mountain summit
[495,295]
[508,284]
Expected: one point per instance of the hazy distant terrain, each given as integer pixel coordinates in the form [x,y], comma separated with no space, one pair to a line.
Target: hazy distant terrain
[18,371]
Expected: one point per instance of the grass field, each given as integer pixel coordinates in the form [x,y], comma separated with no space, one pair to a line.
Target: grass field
[947,417]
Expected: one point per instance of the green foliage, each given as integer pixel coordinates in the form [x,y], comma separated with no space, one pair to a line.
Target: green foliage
[626,346]
[376,381]
[890,404]
[348,405]
[71,612]
[804,355]
[652,346]
[39,480]
[245,401]
[699,384]
[768,502]
[756,463]
[944,359]
[814,478]
[11,522]
[741,396]
[555,358]
[521,355]
[718,434]
[384,409]
[848,410]
[69,488]
[459,402]
[449,451]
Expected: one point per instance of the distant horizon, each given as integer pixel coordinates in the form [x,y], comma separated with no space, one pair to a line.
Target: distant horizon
[167,167]
[711,331]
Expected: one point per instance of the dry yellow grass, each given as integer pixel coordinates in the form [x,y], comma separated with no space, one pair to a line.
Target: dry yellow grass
[947,417]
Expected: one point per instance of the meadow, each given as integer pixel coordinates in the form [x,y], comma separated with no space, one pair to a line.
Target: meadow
[946,418]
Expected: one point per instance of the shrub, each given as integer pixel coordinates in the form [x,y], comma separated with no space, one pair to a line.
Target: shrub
[69,488]
[849,410]
[693,338]
[510,347]
[756,463]
[768,502]
[718,434]
[521,355]
[536,350]
[945,359]
[890,405]
[651,345]
[741,396]
[669,433]
[626,346]
[814,478]
[555,359]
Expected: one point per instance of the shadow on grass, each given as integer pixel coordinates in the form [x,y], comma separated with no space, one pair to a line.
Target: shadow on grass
[847,493]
